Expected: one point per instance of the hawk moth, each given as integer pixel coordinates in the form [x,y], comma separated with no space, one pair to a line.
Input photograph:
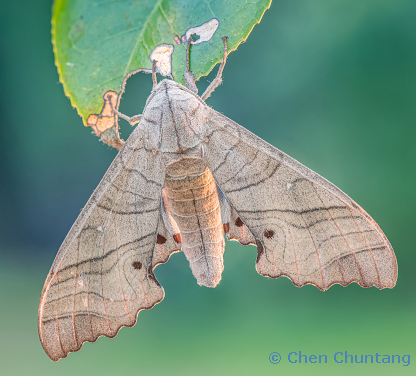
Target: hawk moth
[186,176]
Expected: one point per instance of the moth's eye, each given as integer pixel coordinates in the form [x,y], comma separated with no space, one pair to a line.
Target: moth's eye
[268,234]
[137,265]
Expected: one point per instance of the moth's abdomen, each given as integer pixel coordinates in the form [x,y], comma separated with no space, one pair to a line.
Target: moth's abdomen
[194,205]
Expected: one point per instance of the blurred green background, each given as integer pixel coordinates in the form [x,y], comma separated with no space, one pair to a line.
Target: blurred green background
[331,83]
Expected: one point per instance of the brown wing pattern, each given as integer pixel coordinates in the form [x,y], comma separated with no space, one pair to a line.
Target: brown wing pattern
[103,273]
[238,230]
[305,227]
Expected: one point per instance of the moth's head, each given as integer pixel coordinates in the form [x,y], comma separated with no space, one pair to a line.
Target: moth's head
[167,84]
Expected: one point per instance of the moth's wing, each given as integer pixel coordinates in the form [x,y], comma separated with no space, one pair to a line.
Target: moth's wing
[238,230]
[234,228]
[103,273]
[305,228]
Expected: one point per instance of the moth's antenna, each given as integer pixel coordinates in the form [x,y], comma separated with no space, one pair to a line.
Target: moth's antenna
[154,74]
[188,47]
[188,75]
[218,79]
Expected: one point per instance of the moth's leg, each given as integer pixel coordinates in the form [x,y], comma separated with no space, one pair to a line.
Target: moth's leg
[136,118]
[132,120]
[154,74]
[188,75]
[218,79]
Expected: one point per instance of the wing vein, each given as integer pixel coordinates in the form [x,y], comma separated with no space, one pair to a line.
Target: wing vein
[369,248]
[329,215]
[294,250]
[119,274]
[106,223]
[57,320]
[314,245]
[73,300]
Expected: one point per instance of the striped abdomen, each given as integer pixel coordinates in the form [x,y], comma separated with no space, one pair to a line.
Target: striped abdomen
[192,199]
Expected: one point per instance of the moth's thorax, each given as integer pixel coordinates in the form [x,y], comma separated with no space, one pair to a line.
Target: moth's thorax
[173,119]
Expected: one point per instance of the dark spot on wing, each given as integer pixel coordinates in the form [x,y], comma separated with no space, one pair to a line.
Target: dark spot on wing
[160,239]
[239,222]
[137,265]
[226,227]
[177,238]
[268,234]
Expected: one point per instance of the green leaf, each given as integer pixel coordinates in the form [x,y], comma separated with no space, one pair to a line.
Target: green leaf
[97,43]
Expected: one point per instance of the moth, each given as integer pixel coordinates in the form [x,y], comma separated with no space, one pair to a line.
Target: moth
[186,176]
